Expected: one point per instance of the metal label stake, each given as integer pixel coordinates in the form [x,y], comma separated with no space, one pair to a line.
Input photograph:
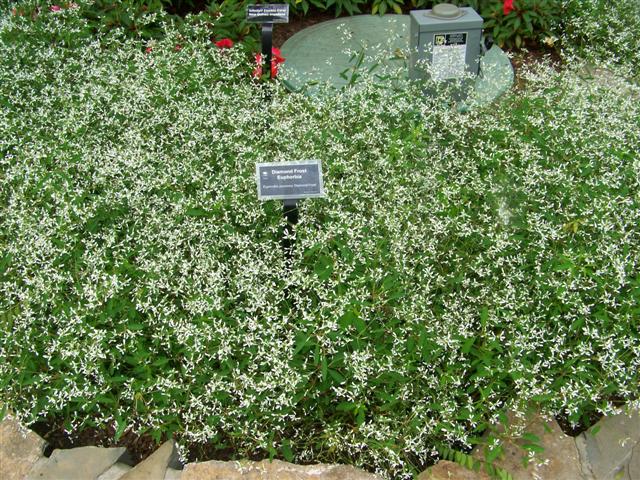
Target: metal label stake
[267,14]
[290,212]
[267,42]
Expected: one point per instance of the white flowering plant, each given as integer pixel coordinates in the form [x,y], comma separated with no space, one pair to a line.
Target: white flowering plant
[603,33]
[460,265]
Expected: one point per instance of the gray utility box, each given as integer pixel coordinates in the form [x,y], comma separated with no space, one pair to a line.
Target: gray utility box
[448,39]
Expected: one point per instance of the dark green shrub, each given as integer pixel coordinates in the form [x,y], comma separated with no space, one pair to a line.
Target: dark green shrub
[528,22]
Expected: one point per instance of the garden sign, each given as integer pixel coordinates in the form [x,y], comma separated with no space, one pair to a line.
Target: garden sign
[267,14]
[289,182]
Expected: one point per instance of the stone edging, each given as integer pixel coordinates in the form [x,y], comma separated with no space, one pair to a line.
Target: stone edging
[613,453]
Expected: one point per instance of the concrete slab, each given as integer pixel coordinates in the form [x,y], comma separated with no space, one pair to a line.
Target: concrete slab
[322,52]
[271,470]
[634,463]
[173,474]
[116,471]
[83,463]
[609,452]
[445,470]
[559,460]
[154,467]
[328,52]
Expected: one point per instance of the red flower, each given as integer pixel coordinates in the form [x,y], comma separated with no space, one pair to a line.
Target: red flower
[177,48]
[55,8]
[276,59]
[276,56]
[148,50]
[507,7]
[224,43]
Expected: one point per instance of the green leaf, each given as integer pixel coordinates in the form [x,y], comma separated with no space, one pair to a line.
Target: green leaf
[360,416]
[287,453]
[120,427]
[492,453]
[346,407]
[323,267]
[198,212]
[530,437]
[336,376]
[324,368]
[484,316]
[470,462]
[160,362]
[533,447]
[466,347]
[577,324]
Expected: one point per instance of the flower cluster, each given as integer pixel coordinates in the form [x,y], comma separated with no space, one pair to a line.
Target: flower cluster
[605,36]
[224,43]
[507,6]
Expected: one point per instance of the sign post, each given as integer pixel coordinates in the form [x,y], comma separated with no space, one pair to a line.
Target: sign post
[267,14]
[290,212]
[289,182]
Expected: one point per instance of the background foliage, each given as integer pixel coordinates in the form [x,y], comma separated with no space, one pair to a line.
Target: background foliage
[531,23]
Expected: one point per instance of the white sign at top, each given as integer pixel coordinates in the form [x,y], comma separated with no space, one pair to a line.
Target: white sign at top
[268,13]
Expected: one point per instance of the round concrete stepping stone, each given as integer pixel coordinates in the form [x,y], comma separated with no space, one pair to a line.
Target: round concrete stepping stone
[322,52]
[495,79]
[328,51]
[20,449]
[83,463]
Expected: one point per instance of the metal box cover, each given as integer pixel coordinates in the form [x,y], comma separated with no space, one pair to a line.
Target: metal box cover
[426,23]
[458,48]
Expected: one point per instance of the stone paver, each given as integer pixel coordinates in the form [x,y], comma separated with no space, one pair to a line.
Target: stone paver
[634,464]
[20,449]
[155,466]
[83,463]
[445,470]
[116,471]
[559,460]
[275,470]
[173,474]
[608,455]
[613,453]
